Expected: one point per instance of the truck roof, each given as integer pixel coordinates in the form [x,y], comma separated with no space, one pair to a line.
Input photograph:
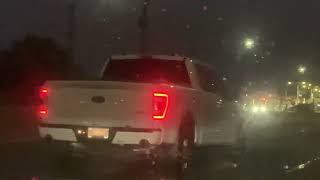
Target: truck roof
[160,57]
[164,57]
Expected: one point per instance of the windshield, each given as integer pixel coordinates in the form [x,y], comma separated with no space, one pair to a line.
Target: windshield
[147,71]
[126,89]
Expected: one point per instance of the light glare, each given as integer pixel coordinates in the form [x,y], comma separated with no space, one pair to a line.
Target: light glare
[255,109]
[302,69]
[249,43]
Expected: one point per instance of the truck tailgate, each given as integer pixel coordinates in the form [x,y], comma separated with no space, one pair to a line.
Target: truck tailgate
[101,103]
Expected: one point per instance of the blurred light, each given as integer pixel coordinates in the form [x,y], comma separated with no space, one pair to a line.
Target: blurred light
[79,131]
[255,109]
[301,166]
[235,165]
[263,109]
[43,110]
[289,82]
[249,43]
[263,99]
[304,86]
[309,84]
[43,93]
[301,69]
[35,178]
[303,82]
[316,90]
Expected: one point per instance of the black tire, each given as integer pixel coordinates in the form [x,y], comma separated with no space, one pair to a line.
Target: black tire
[185,147]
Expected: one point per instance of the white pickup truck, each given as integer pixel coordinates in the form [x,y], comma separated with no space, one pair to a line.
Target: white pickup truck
[169,103]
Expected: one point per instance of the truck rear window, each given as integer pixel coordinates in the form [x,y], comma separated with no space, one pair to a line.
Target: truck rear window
[148,71]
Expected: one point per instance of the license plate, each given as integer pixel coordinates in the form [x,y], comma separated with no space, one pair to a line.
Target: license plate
[101,133]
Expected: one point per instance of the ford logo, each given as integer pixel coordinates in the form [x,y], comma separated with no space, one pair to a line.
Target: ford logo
[98,99]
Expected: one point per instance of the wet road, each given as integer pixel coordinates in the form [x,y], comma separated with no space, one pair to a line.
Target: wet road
[287,158]
[272,150]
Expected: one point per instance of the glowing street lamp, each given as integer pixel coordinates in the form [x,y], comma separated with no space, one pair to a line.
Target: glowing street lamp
[302,69]
[249,43]
[289,83]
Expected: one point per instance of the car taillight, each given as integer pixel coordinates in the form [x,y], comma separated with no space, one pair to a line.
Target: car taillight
[43,110]
[160,104]
[43,93]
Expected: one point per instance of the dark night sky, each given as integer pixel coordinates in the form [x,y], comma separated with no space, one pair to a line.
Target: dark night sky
[287,30]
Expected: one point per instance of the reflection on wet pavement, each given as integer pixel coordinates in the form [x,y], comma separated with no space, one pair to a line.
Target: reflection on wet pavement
[275,160]
[266,154]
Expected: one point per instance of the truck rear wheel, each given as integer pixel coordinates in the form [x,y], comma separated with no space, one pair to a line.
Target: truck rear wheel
[185,147]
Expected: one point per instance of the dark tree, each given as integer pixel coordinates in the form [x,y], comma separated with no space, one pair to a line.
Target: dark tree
[30,62]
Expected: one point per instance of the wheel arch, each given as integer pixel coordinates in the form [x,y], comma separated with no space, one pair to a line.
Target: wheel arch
[188,121]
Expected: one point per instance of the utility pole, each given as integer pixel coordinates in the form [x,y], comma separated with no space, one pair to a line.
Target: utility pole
[298,93]
[72,5]
[143,25]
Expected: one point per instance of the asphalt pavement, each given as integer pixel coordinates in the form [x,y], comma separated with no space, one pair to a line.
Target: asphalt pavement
[272,150]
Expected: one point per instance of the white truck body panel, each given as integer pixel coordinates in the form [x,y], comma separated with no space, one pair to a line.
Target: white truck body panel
[129,104]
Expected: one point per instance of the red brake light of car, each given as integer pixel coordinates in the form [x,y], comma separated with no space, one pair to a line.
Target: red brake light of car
[160,104]
[43,93]
[43,110]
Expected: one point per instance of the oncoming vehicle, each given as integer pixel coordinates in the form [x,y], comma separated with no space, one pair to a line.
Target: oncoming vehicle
[163,105]
[259,105]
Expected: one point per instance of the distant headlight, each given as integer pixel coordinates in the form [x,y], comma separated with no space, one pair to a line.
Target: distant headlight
[263,109]
[255,109]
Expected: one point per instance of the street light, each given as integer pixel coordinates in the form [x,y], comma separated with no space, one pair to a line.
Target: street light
[249,43]
[303,82]
[302,69]
[310,85]
[286,90]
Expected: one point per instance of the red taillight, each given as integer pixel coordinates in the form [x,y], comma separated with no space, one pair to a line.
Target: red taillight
[160,105]
[44,92]
[43,110]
